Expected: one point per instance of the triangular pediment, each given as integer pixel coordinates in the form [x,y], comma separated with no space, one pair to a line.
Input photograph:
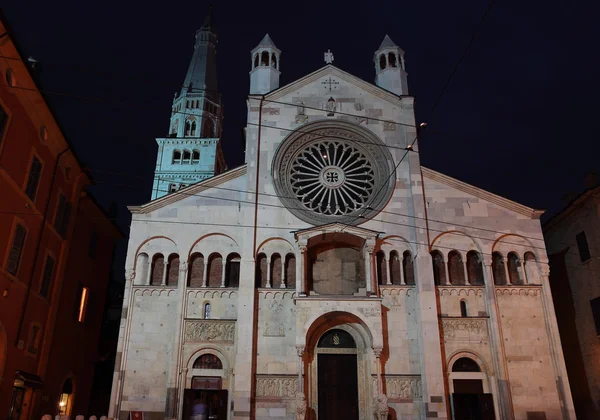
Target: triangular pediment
[331,70]
[335,228]
[191,190]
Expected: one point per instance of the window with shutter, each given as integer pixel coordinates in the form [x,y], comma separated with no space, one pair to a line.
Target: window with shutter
[3,122]
[16,249]
[62,217]
[35,172]
[47,276]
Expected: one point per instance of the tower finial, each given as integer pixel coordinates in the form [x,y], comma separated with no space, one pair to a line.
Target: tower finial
[208,21]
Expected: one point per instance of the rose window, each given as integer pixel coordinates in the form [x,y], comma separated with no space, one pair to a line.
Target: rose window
[333,172]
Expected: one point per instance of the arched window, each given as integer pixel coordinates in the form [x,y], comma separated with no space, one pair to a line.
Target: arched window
[187,156]
[514,268]
[193,130]
[381,268]
[215,270]
[261,271]
[158,268]
[392,59]
[264,59]
[195,156]
[439,271]
[276,268]
[208,361]
[196,270]
[290,271]
[464,364]
[176,156]
[395,273]
[255,60]
[232,271]
[273,60]
[188,128]
[141,268]
[65,400]
[187,104]
[206,312]
[407,265]
[475,268]
[498,269]
[463,309]
[456,270]
[382,62]
[531,269]
[173,270]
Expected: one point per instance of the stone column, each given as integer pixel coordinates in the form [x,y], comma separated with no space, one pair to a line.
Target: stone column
[268,286]
[205,273]
[521,271]
[175,359]
[506,273]
[401,265]
[505,406]
[163,282]
[369,268]
[467,282]
[300,353]
[388,270]
[282,285]
[223,270]
[446,272]
[303,268]
[524,268]
[556,352]
[377,352]
[148,279]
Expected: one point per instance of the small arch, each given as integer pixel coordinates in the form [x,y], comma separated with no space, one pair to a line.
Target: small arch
[463,309]
[514,268]
[475,268]
[196,270]
[498,269]
[532,272]
[290,271]
[188,128]
[261,270]
[195,156]
[381,268]
[382,62]
[187,157]
[439,269]
[176,157]
[456,271]
[337,338]
[276,267]
[465,364]
[193,129]
[173,270]
[273,60]
[392,59]
[215,270]
[142,267]
[206,310]
[208,361]
[232,270]
[158,268]
[408,267]
[395,273]
[255,60]
[264,58]
[66,397]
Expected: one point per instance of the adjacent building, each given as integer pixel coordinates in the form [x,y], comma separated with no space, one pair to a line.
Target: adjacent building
[332,276]
[573,242]
[56,248]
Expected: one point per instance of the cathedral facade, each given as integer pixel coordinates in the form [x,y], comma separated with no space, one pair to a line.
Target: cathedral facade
[332,276]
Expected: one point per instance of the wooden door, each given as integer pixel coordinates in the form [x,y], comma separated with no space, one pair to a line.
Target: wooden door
[338,387]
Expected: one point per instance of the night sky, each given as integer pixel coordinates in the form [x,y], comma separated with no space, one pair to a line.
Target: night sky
[519,117]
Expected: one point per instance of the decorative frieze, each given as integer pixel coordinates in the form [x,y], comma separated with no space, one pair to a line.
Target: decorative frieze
[518,290]
[460,291]
[153,291]
[276,386]
[369,312]
[209,330]
[400,386]
[465,329]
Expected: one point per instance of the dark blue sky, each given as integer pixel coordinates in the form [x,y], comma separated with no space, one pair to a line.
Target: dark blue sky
[519,118]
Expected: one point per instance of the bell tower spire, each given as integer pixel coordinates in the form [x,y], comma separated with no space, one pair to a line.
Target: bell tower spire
[264,76]
[389,67]
[192,151]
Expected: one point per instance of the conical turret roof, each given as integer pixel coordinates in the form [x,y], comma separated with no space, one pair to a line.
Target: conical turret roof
[387,43]
[267,42]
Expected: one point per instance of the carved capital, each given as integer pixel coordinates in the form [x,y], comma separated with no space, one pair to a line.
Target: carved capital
[545,269]
[487,261]
[300,351]
[377,351]
[183,266]
[303,248]
[129,274]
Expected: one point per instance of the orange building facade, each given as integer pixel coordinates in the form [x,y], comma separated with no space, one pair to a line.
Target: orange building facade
[56,247]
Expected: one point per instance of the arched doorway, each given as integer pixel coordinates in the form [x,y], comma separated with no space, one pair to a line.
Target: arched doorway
[471,396]
[337,367]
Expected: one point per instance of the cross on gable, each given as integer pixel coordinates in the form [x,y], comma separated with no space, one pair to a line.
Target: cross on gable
[331,83]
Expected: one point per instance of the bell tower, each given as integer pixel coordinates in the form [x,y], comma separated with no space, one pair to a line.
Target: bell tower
[389,67]
[264,76]
[192,150]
